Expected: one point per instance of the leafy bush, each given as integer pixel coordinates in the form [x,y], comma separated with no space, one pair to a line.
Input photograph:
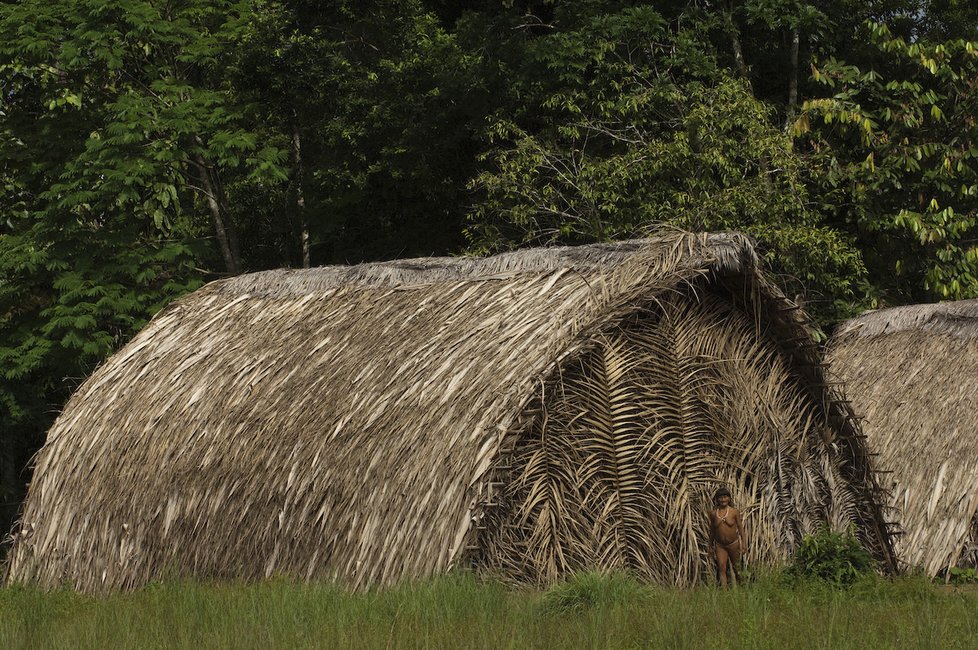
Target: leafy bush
[833,557]
[962,576]
[593,590]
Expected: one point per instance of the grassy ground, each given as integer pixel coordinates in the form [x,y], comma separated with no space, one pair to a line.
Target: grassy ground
[461,612]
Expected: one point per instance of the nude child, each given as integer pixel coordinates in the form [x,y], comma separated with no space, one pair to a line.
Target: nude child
[726,535]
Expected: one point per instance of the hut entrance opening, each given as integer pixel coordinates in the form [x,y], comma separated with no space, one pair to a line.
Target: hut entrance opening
[618,469]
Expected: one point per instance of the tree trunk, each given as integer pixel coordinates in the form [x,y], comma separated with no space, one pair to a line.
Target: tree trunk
[300,201]
[743,72]
[226,236]
[793,79]
[11,485]
[738,52]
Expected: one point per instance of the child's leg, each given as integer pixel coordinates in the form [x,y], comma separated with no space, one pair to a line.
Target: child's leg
[734,553]
[722,557]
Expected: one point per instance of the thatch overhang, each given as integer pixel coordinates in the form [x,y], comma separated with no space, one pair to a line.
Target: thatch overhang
[384,421]
[912,374]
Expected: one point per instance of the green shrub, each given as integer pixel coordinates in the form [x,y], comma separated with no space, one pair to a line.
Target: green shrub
[836,558]
[593,590]
[962,576]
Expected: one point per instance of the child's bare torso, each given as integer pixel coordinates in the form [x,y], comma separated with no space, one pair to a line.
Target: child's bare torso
[724,525]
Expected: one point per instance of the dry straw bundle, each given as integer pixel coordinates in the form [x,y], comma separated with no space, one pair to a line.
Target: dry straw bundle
[913,372]
[530,414]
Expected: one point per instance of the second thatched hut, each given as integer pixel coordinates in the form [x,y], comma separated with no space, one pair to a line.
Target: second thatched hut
[531,414]
[912,373]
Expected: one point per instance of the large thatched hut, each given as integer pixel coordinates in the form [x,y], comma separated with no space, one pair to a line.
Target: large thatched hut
[912,373]
[532,413]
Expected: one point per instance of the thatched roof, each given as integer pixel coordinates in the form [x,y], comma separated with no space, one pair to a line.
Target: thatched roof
[912,372]
[355,422]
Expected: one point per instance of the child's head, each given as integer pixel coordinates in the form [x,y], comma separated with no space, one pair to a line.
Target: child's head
[722,497]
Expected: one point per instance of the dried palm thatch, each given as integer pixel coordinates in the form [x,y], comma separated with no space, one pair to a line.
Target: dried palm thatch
[912,373]
[531,413]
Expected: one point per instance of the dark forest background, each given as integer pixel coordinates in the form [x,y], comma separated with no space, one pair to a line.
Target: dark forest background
[149,146]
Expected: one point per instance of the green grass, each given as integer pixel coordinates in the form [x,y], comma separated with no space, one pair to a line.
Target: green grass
[459,611]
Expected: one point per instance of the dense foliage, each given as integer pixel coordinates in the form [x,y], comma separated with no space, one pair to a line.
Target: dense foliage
[147,147]
[642,126]
[894,149]
[835,558]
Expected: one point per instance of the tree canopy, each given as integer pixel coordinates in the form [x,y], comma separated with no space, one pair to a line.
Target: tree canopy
[148,147]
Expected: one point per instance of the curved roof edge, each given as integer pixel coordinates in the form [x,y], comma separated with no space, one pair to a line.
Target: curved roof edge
[958,318]
[729,253]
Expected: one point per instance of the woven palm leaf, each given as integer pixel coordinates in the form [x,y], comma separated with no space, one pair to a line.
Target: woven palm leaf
[636,436]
